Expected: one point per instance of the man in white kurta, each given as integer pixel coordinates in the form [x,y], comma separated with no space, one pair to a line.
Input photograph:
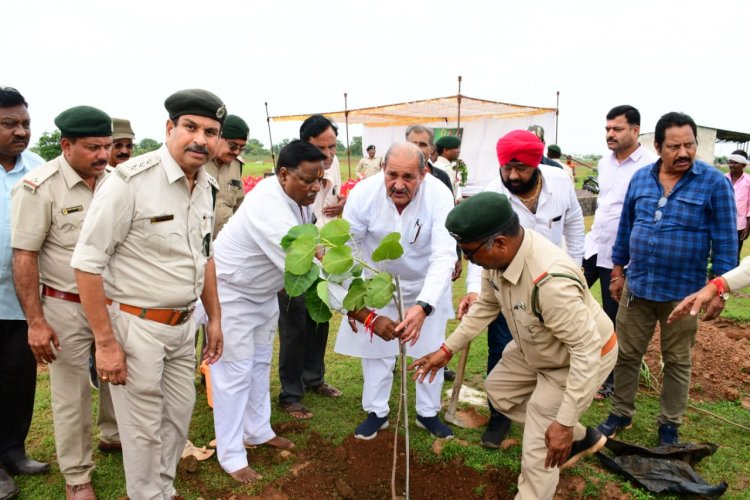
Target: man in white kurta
[403,199]
[250,272]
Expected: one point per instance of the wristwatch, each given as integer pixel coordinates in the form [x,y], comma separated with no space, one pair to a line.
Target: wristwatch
[722,291]
[427,308]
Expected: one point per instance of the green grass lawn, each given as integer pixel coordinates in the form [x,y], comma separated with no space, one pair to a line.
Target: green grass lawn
[336,419]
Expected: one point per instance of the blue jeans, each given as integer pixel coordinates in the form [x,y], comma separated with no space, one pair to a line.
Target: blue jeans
[498,336]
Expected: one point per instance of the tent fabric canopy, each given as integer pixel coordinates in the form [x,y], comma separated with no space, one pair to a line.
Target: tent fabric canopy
[441,109]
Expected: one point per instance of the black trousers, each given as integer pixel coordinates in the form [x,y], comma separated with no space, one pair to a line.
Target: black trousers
[302,349]
[17,388]
[592,272]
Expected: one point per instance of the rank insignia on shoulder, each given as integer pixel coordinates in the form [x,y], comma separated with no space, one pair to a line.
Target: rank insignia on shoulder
[71,210]
[162,218]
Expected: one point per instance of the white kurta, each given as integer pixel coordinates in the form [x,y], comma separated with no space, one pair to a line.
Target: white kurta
[249,258]
[424,269]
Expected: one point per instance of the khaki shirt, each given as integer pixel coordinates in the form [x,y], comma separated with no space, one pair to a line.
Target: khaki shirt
[148,235]
[574,330]
[49,205]
[369,166]
[231,191]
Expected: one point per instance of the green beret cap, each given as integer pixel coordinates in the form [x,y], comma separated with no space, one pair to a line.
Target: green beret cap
[480,216]
[121,129]
[195,102]
[84,121]
[449,142]
[554,148]
[235,128]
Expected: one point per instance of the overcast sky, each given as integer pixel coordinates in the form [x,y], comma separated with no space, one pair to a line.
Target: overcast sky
[300,57]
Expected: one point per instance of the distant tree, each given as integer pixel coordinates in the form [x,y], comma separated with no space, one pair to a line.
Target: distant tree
[356,145]
[277,147]
[146,146]
[340,148]
[48,146]
[255,148]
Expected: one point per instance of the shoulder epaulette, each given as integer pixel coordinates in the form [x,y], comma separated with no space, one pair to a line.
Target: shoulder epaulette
[127,170]
[36,177]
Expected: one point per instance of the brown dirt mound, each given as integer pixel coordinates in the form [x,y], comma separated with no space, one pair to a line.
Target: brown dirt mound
[721,361]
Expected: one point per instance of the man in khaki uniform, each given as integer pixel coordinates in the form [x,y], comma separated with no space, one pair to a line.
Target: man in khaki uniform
[122,142]
[370,165]
[226,168]
[49,206]
[146,250]
[563,344]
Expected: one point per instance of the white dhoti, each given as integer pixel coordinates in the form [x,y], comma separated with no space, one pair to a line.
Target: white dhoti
[240,380]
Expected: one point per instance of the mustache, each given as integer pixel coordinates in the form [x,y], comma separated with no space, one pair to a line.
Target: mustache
[123,156]
[399,191]
[198,149]
[99,163]
[683,158]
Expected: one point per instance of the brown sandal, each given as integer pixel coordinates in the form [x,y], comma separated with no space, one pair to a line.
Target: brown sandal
[296,410]
[326,390]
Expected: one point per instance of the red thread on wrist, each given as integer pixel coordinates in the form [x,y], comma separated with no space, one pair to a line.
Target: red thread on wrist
[369,320]
[719,283]
[447,351]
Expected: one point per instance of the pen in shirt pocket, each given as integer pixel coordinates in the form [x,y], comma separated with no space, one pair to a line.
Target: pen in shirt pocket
[556,219]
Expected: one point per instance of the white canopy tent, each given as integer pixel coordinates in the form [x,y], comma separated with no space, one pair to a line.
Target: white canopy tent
[483,123]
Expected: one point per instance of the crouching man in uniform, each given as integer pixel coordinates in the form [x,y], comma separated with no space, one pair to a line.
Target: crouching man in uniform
[563,345]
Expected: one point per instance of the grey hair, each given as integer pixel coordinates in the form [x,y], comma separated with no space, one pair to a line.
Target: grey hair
[420,129]
[408,147]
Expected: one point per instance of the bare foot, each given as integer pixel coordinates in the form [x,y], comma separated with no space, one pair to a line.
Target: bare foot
[279,442]
[245,475]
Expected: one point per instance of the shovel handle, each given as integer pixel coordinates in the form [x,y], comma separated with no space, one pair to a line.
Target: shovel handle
[451,413]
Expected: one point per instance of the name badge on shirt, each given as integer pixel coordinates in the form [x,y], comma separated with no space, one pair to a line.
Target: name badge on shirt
[162,218]
[235,183]
[72,210]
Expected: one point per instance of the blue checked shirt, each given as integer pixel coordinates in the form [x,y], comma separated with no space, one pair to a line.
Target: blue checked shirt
[666,242]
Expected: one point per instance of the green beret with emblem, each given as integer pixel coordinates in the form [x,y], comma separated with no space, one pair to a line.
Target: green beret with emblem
[449,142]
[235,128]
[195,102]
[479,217]
[84,121]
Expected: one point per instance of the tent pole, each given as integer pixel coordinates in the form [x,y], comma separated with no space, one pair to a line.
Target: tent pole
[348,152]
[268,120]
[557,117]
[458,98]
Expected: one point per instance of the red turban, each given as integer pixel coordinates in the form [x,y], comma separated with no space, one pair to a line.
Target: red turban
[520,145]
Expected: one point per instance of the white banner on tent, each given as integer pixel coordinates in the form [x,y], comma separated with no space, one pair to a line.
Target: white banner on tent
[477,145]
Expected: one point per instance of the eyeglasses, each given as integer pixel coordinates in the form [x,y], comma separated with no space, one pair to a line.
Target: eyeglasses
[120,145]
[470,254]
[660,204]
[234,147]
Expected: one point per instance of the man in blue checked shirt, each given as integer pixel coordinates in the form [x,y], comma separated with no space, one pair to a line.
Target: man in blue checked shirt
[675,213]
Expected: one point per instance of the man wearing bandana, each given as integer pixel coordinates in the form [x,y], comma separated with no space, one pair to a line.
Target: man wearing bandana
[545,201]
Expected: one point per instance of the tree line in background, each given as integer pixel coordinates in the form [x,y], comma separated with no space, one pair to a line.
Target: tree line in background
[48,147]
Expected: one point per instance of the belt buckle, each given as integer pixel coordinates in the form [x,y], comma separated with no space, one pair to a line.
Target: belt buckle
[184,315]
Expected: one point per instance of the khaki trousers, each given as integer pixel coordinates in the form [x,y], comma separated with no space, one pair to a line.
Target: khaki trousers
[71,394]
[155,405]
[532,397]
[635,327]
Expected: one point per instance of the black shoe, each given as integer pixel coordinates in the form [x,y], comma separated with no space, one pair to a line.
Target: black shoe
[26,466]
[436,427]
[449,374]
[8,487]
[613,424]
[497,429]
[107,447]
[590,444]
[369,428]
[668,435]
